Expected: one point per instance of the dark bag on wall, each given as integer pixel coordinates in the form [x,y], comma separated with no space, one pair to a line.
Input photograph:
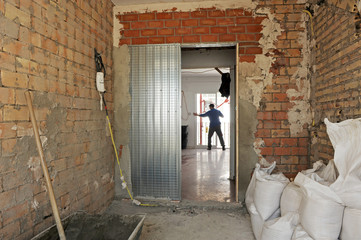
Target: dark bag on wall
[226,85]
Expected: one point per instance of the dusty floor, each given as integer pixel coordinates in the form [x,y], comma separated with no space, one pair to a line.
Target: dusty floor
[190,220]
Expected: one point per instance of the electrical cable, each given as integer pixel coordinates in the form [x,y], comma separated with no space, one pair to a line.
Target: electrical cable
[309,13]
[124,184]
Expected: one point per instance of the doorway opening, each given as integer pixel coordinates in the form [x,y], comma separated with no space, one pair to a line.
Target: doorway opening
[207,175]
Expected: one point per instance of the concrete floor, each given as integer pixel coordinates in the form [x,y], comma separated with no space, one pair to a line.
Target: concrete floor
[189,220]
[207,210]
[205,175]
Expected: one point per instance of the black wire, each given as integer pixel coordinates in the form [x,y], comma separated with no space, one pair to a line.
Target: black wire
[105,105]
[98,62]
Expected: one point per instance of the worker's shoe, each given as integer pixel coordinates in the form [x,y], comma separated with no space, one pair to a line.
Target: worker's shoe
[223,148]
[208,148]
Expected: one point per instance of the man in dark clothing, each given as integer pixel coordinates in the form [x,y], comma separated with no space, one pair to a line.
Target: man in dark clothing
[214,126]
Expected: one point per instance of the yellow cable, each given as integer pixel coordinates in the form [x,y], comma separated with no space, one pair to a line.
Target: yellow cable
[120,169]
[308,12]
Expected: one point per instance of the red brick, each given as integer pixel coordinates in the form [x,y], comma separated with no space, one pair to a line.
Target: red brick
[290,160]
[130,17]
[280,115]
[237,29]
[245,20]
[282,151]
[245,37]
[139,41]
[227,38]
[7,131]
[303,151]
[131,33]
[201,30]
[124,42]
[180,15]
[263,133]
[218,29]
[272,142]
[208,22]
[164,15]
[280,97]
[289,142]
[155,24]
[216,13]
[199,14]
[209,38]
[147,16]
[225,21]
[248,13]
[126,25]
[258,20]
[156,40]
[303,142]
[235,12]
[251,50]
[254,28]
[7,96]
[138,25]
[264,115]
[190,23]
[271,124]
[166,31]
[280,133]
[191,39]
[149,32]
[267,151]
[173,23]
[183,31]
[174,39]
[247,58]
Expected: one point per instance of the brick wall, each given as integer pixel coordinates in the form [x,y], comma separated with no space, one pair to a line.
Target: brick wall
[211,25]
[336,81]
[47,47]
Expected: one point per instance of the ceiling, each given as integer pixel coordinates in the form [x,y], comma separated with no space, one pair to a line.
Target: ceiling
[138,2]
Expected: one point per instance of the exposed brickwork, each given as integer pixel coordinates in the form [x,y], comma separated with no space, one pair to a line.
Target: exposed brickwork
[336,81]
[47,46]
[242,26]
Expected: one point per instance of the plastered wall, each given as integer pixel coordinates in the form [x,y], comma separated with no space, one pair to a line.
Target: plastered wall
[274,64]
[48,47]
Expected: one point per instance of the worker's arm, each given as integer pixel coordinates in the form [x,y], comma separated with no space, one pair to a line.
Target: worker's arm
[196,114]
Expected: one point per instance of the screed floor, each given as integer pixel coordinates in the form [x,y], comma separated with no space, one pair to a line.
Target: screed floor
[205,175]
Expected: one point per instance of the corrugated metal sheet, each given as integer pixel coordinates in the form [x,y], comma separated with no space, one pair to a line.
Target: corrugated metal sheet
[155,132]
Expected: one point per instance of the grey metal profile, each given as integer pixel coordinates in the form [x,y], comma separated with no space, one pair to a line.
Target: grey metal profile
[155,121]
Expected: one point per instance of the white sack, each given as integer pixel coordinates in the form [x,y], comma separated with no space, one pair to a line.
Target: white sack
[268,191]
[291,199]
[321,210]
[346,140]
[351,225]
[249,199]
[317,166]
[300,234]
[256,221]
[280,228]
[329,173]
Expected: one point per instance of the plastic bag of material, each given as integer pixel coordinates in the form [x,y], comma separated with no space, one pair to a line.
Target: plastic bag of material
[280,228]
[351,228]
[268,191]
[317,166]
[321,210]
[329,173]
[346,140]
[257,221]
[291,199]
[300,234]
[252,185]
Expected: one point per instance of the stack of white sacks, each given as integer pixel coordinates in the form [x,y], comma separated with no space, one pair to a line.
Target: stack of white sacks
[322,203]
